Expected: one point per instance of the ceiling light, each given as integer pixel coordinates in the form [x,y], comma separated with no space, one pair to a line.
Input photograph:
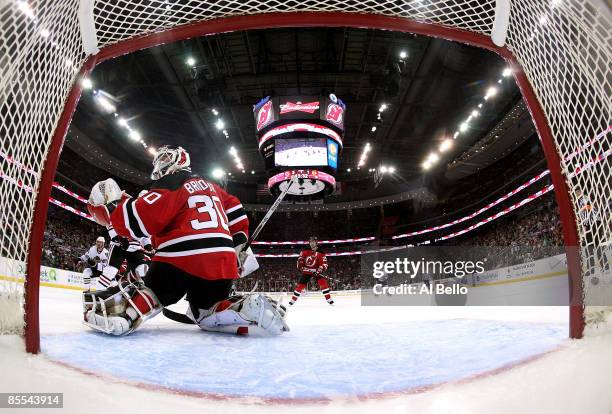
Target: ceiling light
[403,54]
[105,103]
[218,173]
[446,145]
[383,169]
[480,105]
[475,113]
[426,165]
[219,124]
[433,158]
[373,129]
[190,61]
[391,170]
[463,127]
[215,112]
[456,135]
[490,92]
[135,135]
[252,172]
[233,151]
[86,83]
[152,151]
[507,72]
[45,33]
[122,122]
[348,170]
[382,108]
[26,9]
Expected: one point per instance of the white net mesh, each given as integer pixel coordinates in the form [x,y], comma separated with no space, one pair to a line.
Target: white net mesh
[563,46]
[565,49]
[39,55]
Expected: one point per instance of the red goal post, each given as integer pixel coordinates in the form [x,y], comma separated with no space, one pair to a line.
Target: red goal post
[559,51]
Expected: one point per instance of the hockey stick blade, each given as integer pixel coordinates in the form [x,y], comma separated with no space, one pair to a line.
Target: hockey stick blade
[177,317]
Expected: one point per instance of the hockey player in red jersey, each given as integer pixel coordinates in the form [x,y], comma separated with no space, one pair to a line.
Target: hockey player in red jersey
[198,231]
[312,263]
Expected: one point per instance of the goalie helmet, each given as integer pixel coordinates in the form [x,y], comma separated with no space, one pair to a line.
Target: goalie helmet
[169,160]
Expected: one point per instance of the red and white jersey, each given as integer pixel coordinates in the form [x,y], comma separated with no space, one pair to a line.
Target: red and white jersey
[194,224]
[311,262]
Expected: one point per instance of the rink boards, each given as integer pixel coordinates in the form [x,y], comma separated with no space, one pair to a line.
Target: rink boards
[556,266]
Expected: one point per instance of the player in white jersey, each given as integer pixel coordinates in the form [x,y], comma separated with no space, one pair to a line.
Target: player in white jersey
[136,254]
[94,261]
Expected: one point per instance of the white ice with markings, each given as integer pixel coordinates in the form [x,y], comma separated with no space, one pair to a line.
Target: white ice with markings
[345,358]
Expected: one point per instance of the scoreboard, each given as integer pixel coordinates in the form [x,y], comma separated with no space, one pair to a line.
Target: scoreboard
[301,135]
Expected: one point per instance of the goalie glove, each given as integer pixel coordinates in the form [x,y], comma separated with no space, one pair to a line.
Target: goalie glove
[104,197]
[247,263]
[241,254]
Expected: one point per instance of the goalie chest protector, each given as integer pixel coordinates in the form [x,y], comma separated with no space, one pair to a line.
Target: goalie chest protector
[193,224]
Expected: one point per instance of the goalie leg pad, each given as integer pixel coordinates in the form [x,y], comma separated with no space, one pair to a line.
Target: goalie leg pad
[119,310]
[259,314]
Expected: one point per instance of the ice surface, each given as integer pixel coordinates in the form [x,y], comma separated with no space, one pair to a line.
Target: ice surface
[316,361]
[331,352]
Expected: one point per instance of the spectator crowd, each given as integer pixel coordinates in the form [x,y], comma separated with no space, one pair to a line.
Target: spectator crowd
[525,235]
[66,238]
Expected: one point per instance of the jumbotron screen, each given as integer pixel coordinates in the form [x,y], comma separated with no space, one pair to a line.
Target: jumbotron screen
[301,152]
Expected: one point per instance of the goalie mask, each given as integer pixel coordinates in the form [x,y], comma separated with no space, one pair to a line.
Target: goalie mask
[169,160]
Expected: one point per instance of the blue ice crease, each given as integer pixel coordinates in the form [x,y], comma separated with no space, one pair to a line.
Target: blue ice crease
[310,361]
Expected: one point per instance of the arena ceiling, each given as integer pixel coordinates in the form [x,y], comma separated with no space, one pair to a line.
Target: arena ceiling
[176,93]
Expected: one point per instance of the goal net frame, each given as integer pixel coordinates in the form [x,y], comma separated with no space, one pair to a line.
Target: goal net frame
[97,22]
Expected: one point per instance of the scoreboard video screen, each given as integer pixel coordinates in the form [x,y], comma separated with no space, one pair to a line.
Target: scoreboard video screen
[300,152]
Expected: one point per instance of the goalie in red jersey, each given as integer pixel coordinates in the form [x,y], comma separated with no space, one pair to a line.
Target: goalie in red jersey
[198,231]
[312,263]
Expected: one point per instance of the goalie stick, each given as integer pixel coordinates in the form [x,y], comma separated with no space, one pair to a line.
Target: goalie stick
[271,211]
[179,317]
[182,318]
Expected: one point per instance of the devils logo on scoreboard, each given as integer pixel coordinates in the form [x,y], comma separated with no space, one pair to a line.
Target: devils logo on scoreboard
[334,114]
[265,115]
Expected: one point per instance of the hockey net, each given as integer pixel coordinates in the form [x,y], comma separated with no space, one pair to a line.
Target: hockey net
[562,46]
